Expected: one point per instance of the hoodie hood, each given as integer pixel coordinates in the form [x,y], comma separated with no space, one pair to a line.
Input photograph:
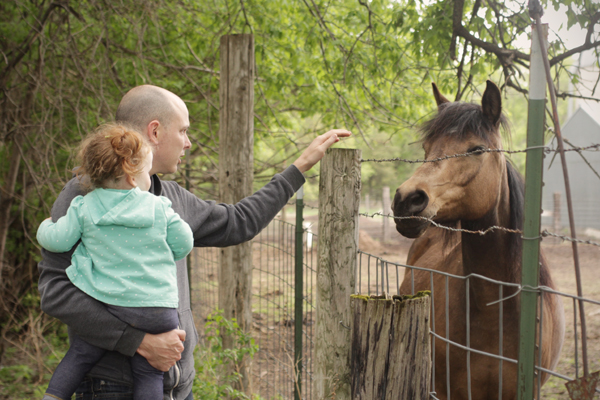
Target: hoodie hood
[130,208]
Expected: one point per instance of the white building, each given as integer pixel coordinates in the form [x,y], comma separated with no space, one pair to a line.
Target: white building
[581,129]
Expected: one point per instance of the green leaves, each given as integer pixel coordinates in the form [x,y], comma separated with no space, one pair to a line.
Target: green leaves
[215,377]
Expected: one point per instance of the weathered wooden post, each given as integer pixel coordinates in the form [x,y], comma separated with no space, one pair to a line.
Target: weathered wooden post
[236,173]
[391,347]
[339,199]
[386,211]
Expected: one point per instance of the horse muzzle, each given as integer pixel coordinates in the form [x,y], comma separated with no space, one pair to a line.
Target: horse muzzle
[408,204]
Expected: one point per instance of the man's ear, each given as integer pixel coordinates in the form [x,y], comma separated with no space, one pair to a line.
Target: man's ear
[152,131]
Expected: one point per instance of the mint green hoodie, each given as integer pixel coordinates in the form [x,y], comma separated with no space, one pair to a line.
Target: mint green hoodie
[131,240]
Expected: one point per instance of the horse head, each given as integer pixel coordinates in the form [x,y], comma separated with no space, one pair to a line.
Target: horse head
[459,188]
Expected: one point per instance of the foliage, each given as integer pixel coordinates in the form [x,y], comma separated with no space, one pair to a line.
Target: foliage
[28,361]
[214,361]
[23,377]
[363,65]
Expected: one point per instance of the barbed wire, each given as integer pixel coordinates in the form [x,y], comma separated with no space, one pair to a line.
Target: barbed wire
[448,228]
[547,150]
[544,233]
[293,203]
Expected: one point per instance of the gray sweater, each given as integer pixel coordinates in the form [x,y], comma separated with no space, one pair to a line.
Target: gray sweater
[213,225]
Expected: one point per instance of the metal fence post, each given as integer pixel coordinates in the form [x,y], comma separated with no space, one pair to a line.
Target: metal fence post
[531,225]
[299,294]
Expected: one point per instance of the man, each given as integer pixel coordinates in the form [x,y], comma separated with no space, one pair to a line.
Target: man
[163,119]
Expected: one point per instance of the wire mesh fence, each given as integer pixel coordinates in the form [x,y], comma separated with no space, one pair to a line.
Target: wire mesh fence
[273,367]
[273,370]
[376,276]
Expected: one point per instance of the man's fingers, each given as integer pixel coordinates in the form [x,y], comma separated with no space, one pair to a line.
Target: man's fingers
[332,136]
[317,148]
[181,334]
[164,349]
[329,142]
[339,132]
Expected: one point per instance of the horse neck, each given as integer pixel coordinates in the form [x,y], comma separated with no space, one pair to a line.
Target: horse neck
[494,254]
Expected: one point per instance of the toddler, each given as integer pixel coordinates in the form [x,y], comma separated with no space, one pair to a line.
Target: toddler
[130,240]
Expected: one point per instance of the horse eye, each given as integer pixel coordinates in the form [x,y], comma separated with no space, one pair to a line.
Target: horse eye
[477,149]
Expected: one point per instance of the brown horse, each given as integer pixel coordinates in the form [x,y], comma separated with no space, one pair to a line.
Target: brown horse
[472,193]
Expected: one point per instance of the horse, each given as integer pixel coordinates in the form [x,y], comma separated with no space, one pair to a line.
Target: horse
[472,193]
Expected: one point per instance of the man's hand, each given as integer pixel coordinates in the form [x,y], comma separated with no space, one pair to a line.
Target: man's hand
[318,147]
[163,350]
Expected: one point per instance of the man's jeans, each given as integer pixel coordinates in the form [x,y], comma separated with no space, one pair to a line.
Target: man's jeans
[97,389]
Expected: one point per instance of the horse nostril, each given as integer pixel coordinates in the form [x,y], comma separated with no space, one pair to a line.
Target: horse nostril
[416,202]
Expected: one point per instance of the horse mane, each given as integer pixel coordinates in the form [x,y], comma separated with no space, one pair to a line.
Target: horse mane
[516,190]
[516,187]
[457,119]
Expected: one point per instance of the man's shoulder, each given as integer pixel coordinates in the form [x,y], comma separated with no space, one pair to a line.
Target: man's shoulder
[174,193]
[72,189]
[171,190]
[170,185]
[75,188]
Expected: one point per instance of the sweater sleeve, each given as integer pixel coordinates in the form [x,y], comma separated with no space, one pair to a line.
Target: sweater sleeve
[62,235]
[221,225]
[87,317]
[179,234]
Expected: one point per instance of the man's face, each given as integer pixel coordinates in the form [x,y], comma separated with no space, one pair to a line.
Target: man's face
[172,140]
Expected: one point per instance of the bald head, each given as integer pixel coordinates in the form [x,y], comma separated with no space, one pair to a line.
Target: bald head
[146,103]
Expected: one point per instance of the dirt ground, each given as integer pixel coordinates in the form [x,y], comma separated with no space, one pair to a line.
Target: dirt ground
[560,259]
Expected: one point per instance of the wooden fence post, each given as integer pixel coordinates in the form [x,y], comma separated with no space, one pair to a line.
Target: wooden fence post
[339,200]
[386,211]
[236,173]
[391,347]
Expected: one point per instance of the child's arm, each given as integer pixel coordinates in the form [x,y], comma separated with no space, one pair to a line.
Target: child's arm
[62,235]
[179,233]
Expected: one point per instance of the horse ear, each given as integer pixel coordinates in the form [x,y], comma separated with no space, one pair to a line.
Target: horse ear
[491,103]
[439,98]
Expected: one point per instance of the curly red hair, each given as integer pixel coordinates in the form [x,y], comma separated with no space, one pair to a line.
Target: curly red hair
[111,152]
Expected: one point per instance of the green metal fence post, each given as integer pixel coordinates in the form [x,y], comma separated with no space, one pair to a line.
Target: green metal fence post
[531,224]
[299,294]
